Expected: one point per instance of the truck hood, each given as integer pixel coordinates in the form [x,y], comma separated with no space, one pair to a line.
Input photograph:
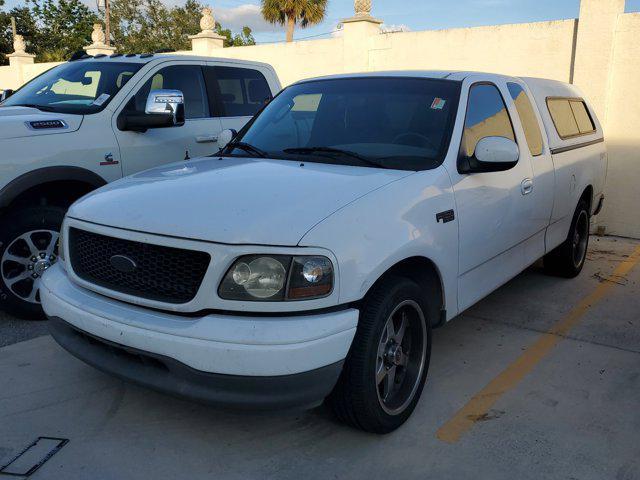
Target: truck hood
[231,200]
[15,122]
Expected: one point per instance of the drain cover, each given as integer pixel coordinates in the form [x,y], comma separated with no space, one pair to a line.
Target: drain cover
[33,457]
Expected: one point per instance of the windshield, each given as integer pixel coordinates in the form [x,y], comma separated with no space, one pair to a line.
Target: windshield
[399,123]
[76,87]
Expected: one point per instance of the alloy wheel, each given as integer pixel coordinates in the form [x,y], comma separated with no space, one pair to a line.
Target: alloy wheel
[401,355]
[25,260]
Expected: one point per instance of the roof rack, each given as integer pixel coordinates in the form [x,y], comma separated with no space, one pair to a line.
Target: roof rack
[78,55]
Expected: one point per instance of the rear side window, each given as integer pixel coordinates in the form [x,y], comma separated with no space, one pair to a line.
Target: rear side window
[487,116]
[570,117]
[239,92]
[528,118]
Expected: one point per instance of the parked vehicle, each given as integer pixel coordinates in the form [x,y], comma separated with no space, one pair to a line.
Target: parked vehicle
[312,256]
[91,121]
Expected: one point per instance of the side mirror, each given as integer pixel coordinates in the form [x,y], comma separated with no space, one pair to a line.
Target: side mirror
[164,109]
[225,138]
[6,94]
[492,154]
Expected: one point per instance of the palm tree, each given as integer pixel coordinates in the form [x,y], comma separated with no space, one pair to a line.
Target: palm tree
[290,12]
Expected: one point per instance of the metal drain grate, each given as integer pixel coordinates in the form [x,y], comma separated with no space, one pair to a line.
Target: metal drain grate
[33,457]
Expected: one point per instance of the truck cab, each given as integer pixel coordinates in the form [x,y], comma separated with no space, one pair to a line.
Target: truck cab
[86,123]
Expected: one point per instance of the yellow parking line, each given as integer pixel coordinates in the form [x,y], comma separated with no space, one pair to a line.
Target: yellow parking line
[480,404]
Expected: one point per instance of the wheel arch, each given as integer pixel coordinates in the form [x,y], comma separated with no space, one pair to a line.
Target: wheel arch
[427,275]
[42,182]
[587,195]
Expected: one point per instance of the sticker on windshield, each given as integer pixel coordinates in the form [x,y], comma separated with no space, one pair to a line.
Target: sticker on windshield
[98,102]
[438,104]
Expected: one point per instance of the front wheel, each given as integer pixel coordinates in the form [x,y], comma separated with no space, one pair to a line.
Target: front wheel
[28,247]
[568,259]
[387,366]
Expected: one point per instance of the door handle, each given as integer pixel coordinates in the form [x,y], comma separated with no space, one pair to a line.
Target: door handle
[526,186]
[207,139]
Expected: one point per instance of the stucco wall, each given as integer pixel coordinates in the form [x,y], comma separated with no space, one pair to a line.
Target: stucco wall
[621,214]
[600,53]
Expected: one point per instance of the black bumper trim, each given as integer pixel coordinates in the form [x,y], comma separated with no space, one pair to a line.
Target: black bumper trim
[170,376]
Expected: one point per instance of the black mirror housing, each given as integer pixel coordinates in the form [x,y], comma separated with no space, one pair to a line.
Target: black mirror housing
[141,122]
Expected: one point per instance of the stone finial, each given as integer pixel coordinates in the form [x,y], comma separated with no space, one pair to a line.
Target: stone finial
[363,8]
[19,46]
[97,36]
[207,22]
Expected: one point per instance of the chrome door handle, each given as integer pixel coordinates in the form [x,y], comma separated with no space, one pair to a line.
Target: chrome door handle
[526,186]
[207,139]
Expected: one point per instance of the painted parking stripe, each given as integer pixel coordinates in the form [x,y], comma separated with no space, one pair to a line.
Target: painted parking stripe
[480,404]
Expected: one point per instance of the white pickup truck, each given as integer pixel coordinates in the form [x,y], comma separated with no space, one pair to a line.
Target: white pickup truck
[84,124]
[311,257]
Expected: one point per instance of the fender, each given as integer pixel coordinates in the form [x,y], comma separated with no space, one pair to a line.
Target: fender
[46,175]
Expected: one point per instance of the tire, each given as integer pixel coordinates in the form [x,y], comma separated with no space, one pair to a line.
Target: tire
[22,262]
[359,398]
[567,260]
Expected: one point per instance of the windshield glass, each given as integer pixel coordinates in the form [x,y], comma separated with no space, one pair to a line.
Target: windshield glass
[399,123]
[76,87]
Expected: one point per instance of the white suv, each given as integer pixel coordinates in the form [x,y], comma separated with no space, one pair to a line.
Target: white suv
[86,123]
[313,255]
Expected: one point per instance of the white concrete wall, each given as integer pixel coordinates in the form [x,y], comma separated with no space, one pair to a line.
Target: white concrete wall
[599,52]
[621,213]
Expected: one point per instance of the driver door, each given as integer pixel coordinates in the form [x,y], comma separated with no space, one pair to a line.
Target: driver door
[492,207]
[196,138]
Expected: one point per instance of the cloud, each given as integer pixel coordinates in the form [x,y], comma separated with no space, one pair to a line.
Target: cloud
[395,28]
[244,15]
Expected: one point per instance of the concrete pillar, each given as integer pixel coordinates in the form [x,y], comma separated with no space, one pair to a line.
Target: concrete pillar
[594,50]
[207,41]
[19,58]
[357,34]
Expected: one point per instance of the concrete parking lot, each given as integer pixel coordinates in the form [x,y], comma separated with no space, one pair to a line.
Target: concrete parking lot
[540,380]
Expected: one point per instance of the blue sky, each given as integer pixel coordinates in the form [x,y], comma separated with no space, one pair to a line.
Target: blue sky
[416,14]
[411,14]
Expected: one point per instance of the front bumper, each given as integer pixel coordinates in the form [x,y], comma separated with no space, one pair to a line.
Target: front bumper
[167,375]
[234,360]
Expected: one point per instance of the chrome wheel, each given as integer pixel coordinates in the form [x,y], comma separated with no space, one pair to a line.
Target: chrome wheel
[401,355]
[580,239]
[25,260]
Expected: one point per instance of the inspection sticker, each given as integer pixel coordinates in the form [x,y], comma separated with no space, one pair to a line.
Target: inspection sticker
[438,104]
[103,98]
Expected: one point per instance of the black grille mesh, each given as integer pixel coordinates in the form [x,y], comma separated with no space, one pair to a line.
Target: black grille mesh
[164,274]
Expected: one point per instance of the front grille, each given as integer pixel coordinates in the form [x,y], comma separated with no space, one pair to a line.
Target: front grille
[163,274]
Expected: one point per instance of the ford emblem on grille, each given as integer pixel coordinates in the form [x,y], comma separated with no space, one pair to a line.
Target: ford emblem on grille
[123,264]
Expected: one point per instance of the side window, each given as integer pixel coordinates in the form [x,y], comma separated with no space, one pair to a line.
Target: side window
[528,118]
[241,92]
[487,116]
[570,117]
[583,119]
[186,78]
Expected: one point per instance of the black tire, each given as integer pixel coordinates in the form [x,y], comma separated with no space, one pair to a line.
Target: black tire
[13,298]
[567,260]
[357,397]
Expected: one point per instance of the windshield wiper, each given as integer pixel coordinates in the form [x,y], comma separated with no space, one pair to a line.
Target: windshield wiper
[247,147]
[330,151]
[43,108]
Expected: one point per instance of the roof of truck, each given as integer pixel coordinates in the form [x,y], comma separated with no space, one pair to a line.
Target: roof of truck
[144,58]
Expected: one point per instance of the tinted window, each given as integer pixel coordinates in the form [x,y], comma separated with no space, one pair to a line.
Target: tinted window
[583,119]
[570,117]
[186,78]
[78,87]
[400,123]
[487,116]
[528,118]
[241,92]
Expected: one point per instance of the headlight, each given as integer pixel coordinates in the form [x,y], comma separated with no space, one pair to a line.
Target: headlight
[271,278]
